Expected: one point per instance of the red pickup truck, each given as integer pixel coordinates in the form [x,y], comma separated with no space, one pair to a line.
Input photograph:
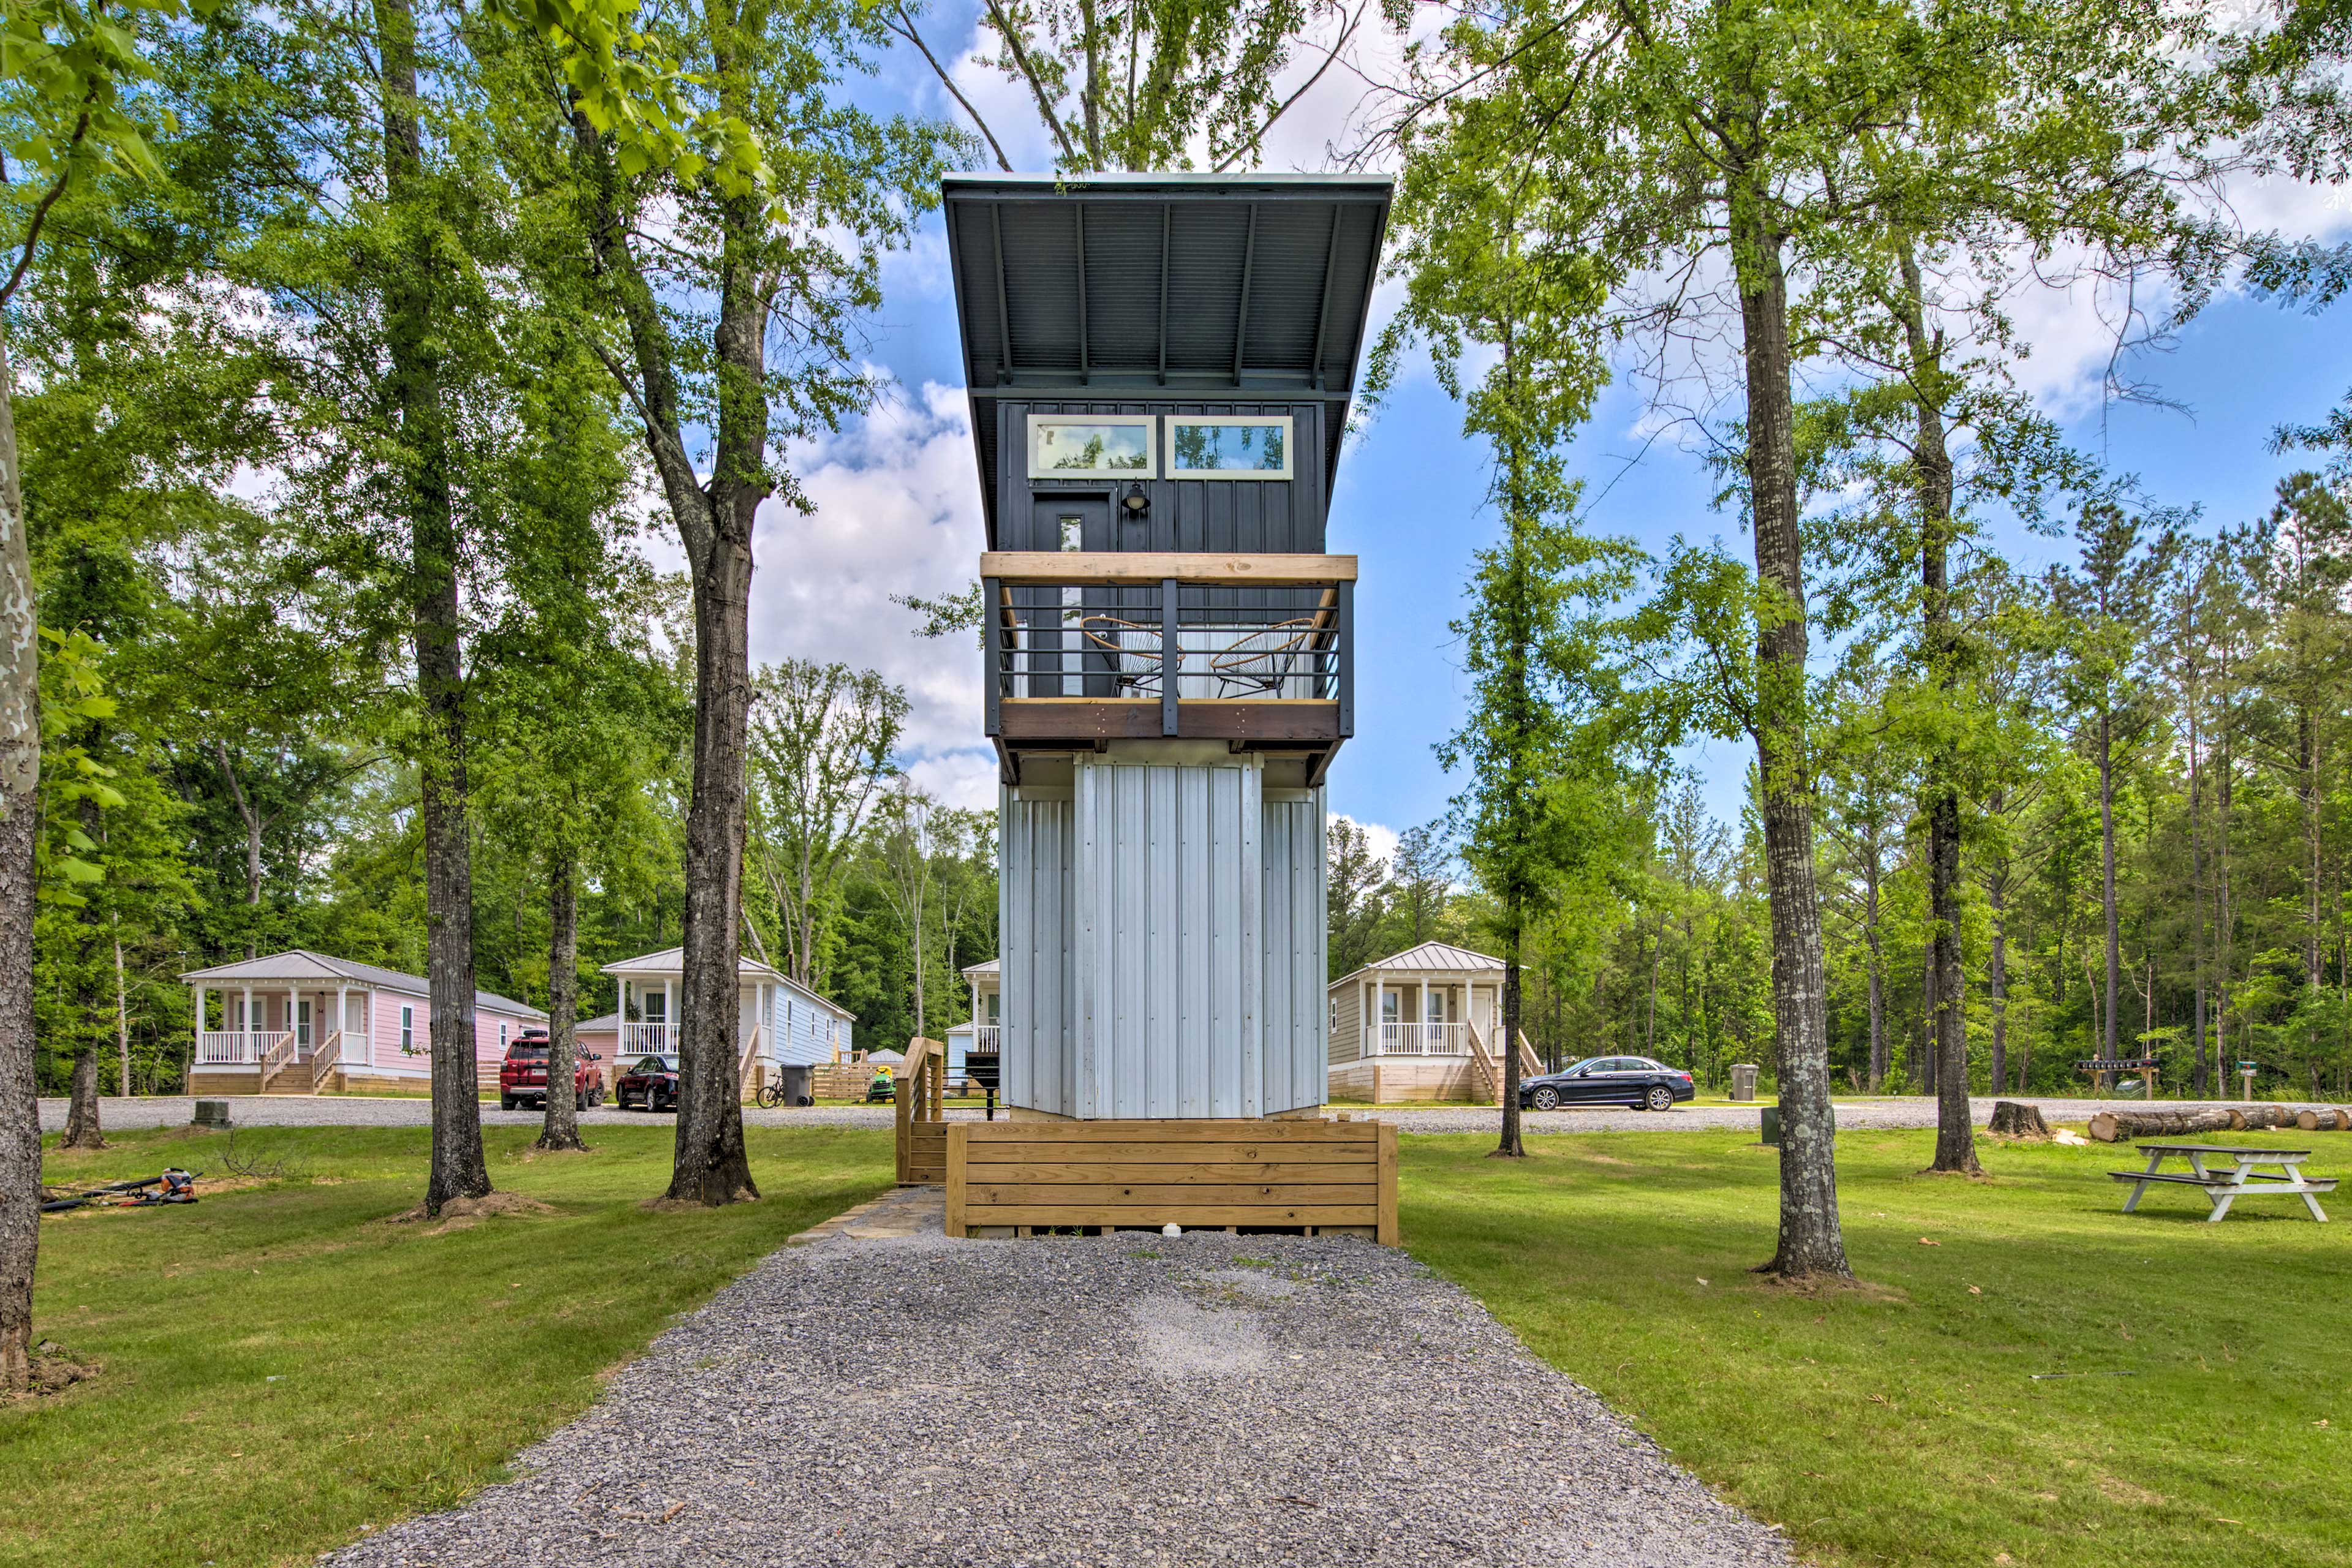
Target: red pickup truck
[523,1075]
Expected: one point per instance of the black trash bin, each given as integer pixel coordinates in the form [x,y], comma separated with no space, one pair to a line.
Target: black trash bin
[794,1081]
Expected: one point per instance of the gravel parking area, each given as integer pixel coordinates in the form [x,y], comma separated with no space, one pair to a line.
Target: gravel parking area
[1113,1401]
[357,1110]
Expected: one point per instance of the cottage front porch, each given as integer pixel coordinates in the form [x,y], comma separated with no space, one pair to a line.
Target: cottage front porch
[1422,1025]
[285,1039]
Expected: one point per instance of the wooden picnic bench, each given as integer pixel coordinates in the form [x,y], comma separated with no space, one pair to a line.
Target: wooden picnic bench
[2252,1172]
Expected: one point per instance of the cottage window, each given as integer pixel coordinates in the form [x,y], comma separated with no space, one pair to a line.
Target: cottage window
[502,1036]
[408,1030]
[1100,445]
[1229,448]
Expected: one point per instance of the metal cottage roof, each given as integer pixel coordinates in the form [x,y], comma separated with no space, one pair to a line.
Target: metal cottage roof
[1193,286]
[300,966]
[1429,958]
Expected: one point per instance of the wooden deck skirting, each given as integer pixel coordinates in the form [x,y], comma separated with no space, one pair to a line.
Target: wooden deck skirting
[1303,1175]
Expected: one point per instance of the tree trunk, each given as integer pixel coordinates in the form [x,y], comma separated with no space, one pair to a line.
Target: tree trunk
[82,1130]
[121,1020]
[1810,1241]
[2107,873]
[1931,458]
[458,1169]
[1997,976]
[2192,702]
[1511,1146]
[20,774]
[560,1129]
[1879,1061]
[251,818]
[710,1165]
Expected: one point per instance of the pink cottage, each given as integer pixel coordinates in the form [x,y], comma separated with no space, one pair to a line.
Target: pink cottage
[298,1022]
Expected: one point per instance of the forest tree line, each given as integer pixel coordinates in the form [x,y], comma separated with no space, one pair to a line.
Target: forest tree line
[349,353]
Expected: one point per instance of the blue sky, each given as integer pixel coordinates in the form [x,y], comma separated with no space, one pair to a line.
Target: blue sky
[898,494]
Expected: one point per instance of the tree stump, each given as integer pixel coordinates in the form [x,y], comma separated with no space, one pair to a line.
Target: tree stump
[2011,1119]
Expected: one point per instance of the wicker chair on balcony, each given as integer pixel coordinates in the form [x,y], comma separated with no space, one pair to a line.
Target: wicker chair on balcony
[1252,661]
[1261,659]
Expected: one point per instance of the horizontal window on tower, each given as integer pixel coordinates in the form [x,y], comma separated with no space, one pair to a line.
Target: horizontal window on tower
[1099,446]
[1229,446]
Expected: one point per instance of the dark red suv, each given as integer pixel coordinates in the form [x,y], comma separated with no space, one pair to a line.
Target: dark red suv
[523,1075]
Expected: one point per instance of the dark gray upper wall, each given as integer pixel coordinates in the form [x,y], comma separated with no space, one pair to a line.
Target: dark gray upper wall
[1277,516]
[1166,294]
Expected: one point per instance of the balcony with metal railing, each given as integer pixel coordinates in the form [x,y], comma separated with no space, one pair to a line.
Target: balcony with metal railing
[1100,646]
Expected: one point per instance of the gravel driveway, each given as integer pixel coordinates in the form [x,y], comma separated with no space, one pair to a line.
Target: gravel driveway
[1119,1401]
[358,1110]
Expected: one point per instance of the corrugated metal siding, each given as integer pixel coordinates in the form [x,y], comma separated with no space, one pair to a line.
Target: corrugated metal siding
[1295,1017]
[1168,937]
[1164,944]
[1033,914]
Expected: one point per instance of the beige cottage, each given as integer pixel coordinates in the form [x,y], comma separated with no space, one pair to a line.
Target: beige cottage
[1419,1024]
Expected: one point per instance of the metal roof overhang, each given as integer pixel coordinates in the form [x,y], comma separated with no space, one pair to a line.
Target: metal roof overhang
[1138,287]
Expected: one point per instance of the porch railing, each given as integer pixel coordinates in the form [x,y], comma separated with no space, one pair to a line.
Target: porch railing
[276,1055]
[1174,628]
[324,1060]
[229,1047]
[987,1038]
[755,1046]
[1404,1039]
[648,1039]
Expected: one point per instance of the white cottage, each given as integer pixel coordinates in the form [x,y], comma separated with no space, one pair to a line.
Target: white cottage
[1419,1025]
[779,1020]
[984,1032]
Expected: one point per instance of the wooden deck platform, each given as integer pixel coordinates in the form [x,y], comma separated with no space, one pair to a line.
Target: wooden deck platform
[1008,1177]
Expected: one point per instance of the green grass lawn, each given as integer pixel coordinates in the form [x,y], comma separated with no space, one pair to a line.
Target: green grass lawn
[1901,1423]
[281,1371]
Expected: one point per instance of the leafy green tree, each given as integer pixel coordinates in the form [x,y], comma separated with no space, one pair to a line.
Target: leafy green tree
[1157,85]
[1356,888]
[2110,600]
[823,744]
[741,325]
[69,78]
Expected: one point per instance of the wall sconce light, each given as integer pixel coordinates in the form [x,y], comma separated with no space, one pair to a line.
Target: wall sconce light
[1134,502]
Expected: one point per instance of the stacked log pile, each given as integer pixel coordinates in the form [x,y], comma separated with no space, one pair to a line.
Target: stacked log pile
[2121,1126]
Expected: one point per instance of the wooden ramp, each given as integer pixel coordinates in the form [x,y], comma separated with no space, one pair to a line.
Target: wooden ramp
[1017,1177]
[923,1141]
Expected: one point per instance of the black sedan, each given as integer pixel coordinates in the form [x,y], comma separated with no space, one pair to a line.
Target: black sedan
[1609,1081]
[651,1084]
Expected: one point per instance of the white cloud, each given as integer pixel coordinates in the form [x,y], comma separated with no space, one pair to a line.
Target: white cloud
[896,510]
[1383,840]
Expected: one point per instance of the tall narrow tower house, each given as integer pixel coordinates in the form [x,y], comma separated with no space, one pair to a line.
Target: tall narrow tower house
[1161,368]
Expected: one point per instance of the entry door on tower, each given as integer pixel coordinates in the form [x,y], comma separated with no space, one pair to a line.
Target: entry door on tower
[1077,633]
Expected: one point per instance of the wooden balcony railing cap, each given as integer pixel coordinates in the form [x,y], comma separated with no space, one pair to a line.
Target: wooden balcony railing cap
[1194,566]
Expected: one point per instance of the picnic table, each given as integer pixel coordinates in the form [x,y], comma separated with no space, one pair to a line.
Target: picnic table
[2252,1172]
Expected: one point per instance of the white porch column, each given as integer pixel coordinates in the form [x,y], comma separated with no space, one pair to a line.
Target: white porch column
[342,1020]
[669,1011]
[1380,1015]
[198,993]
[248,1024]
